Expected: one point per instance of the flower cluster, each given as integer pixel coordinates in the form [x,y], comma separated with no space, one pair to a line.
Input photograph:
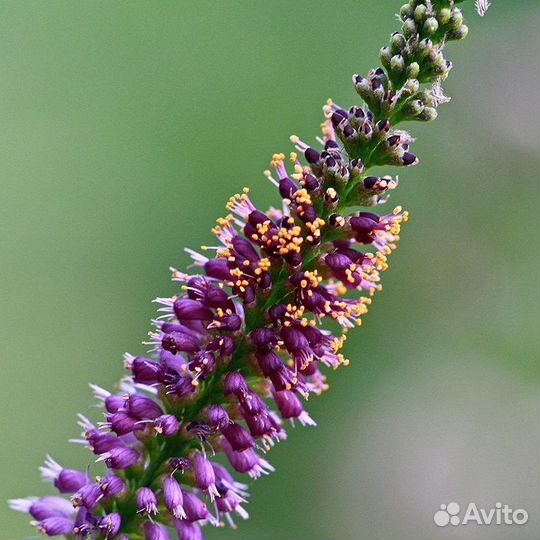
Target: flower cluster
[255,326]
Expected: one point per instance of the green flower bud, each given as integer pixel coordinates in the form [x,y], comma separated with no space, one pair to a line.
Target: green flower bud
[386,57]
[444,16]
[425,47]
[459,33]
[409,28]
[411,86]
[397,64]
[414,108]
[424,97]
[413,70]
[456,19]
[420,14]
[428,114]
[397,42]
[431,26]
[406,11]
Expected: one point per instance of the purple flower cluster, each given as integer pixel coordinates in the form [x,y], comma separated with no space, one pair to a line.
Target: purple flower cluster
[252,329]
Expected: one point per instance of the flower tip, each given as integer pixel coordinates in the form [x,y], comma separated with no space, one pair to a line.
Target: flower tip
[482,6]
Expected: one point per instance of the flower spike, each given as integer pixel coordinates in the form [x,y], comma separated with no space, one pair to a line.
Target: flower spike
[261,318]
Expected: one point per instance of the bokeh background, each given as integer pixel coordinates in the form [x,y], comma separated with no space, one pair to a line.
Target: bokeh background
[125,126]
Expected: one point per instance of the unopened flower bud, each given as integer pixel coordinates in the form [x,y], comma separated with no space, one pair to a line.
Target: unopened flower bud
[397,64]
[146,501]
[397,43]
[431,25]
[409,28]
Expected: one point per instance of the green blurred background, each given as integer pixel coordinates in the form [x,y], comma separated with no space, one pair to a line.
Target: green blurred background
[125,126]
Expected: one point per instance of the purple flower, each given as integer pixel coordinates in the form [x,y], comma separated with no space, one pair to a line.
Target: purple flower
[145,371]
[111,485]
[55,526]
[143,407]
[88,496]
[247,461]
[110,524]
[146,501]
[218,417]
[194,508]
[155,531]
[64,480]
[253,330]
[204,474]
[238,437]
[187,530]
[174,499]
[44,507]
[166,425]
[121,457]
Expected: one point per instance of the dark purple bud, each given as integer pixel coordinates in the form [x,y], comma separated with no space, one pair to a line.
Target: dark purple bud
[173,497]
[370,181]
[277,312]
[288,404]
[145,371]
[142,407]
[114,403]
[245,462]
[44,507]
[180,342]
[349,132]
[409,159]
[224,345]
[146,501]
[217,269]
[166,425]
[191,310]
[203,472]
[383,125]
[155,531]
[188,530]
[238,437]
[55,526]
[257,218]
[218,417]
[269,362]
[234,383]
[88,496]
[217,298]
[110,524]
[195,509]
[337,261]
[70,480]
[284,378]
[111,485]
[230,323]
[259,425]
[121,458]
[104,442]
[294,340]
[311,183]
[203,362]
[362,225]
[122,423]
[253,404]
[287,188]
[244,248]
[311,155]
[179,464]
[264,339]
[393,140]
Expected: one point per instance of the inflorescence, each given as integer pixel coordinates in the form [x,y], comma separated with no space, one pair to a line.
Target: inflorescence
[255,326]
